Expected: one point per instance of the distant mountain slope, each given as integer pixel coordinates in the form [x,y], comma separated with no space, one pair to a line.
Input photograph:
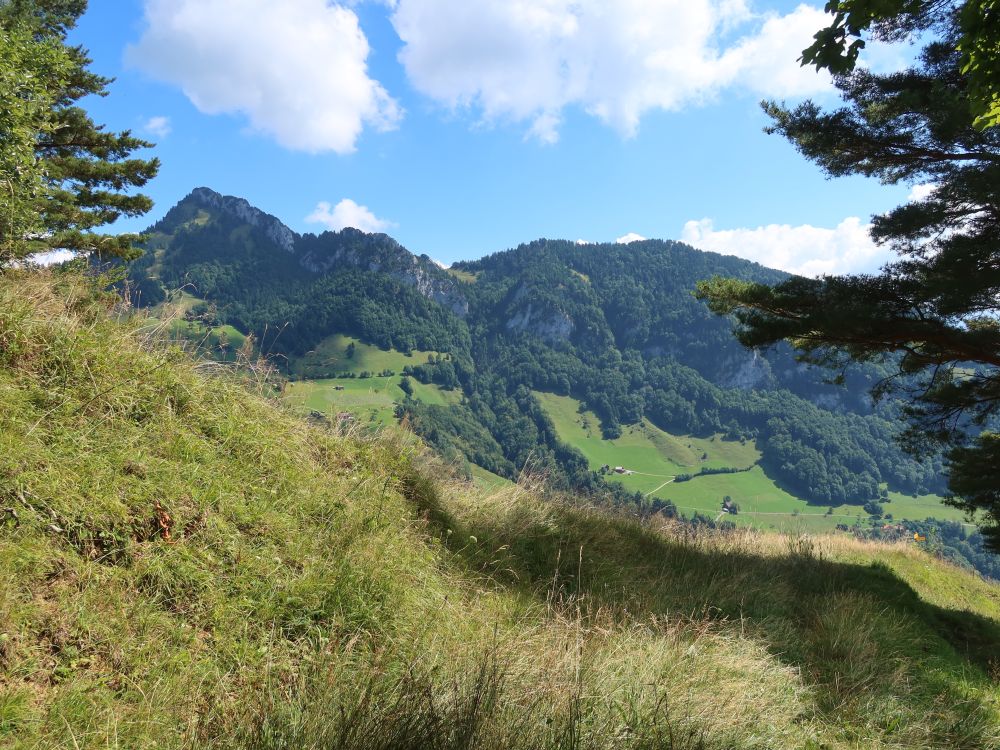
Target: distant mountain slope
[271,281]
[613,325]
[636,297]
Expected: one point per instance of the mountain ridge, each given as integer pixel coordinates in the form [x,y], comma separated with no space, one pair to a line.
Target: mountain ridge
[321,253]
[616,326]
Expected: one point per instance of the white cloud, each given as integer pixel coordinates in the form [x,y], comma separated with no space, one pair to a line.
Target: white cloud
[921,191]
[52,257]
[296,68]
[158,126]
[804,249]
[527,60]
[347,213]
[626,239]
[766,61]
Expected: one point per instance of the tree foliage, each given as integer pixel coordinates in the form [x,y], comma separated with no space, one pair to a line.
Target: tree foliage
[973,26]
[63,175]
[26,66]
[933,312]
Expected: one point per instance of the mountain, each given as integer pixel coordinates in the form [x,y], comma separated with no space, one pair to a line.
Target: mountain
[614,326]
[275,282]
[185,564]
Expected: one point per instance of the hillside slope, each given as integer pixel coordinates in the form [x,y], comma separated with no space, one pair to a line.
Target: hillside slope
[182,563]
[614,326]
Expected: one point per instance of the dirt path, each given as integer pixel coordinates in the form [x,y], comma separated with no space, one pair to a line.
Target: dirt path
[661,486]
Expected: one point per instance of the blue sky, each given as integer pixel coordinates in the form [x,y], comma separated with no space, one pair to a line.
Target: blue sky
[463,127]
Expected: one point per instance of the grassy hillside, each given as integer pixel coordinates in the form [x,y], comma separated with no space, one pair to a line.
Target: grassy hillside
[184,563]
[656,456]
[340,353]
[644,448]
[173,318]
[371,400]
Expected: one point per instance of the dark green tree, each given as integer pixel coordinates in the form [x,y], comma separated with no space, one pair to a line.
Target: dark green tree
[933,313]
[25,102]
[406,386]
[81,177]
[974,26]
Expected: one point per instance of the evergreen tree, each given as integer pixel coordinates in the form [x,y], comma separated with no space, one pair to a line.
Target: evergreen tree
[63,175]
[933,312]
[974,26]
[24,104]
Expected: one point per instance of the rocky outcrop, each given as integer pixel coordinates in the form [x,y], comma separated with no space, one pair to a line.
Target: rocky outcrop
[549,324]
[443,291]
[747,373]
[347,248]
[241,209]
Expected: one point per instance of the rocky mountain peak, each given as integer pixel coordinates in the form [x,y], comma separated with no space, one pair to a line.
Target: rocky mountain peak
[241,209]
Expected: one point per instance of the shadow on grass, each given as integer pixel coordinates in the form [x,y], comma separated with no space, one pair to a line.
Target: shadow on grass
[859,634]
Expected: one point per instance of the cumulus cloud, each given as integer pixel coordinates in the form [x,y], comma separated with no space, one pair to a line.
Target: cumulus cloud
[626,239]
[525,60]
[296,69]
[158,126]
[921,191]
[805,250]
[347,213]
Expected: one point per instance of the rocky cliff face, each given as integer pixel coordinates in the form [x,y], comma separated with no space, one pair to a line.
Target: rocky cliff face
[551,326]
[747,372]
[443,291]
[544,321]
[350,248]
[241,210]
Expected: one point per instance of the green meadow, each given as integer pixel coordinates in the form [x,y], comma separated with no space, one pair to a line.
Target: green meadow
[371,400]
[653,455]
[217,342]
[920,507]
[656,457]
[197,336]
[487,480]
[340,353]
[466,276]
[368,399]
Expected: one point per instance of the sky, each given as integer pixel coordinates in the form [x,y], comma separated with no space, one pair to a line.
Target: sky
[465,127]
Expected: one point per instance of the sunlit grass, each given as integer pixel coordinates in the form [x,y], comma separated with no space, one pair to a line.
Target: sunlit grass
[186,563]
[655,456]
